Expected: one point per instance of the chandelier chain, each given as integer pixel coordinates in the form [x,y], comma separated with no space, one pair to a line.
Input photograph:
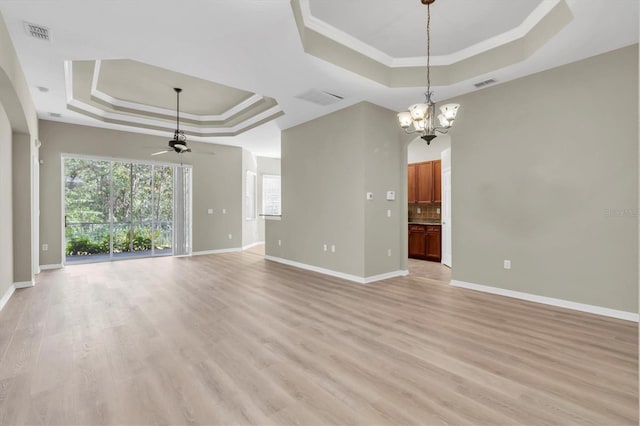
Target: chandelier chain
[428,49]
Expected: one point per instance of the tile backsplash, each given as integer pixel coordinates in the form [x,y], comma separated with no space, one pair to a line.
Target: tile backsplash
[427,212]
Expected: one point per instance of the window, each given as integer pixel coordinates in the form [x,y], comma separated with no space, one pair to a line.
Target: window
[250,196]
[271,195]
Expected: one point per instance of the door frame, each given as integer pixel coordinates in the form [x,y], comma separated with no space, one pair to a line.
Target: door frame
[66,155]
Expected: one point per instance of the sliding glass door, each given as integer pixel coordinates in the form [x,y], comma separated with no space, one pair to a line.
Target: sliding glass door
[119,209]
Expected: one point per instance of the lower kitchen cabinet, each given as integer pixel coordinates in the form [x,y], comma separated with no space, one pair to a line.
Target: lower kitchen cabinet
[425,242]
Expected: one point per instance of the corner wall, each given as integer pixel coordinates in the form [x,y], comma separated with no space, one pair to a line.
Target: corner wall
[328,166]
[6,214]
[545,174]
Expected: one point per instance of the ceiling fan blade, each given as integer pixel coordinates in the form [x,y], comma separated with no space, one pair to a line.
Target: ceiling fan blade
[161,152]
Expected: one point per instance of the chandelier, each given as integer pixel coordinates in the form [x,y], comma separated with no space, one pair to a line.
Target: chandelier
[422,116]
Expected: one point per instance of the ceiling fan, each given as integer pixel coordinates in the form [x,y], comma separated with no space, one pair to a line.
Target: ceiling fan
[179,142]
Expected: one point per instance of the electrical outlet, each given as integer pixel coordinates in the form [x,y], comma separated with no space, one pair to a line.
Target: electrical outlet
[324,247]
[389,252]
[438,210]
[224,211]
[418,210]
[507,264]
[45,247]
[230,236]
[279,243]
[333,248]
[388,213]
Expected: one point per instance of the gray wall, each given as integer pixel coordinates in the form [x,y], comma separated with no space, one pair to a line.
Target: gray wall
[217,182]
[385,170]
[266,166]
[419,151]
[20,111]
[545,173]
[21,204]
[6,213]
[328,165]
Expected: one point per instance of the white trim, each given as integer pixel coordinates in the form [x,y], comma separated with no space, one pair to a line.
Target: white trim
[386,276]
[220,251]
[248,246]
[202,130]
[598,310]
[52,266]
[333,33]
[7,296]
[24,284]
[169,113]
[342,275]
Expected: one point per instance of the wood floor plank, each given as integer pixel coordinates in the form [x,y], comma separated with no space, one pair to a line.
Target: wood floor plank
[232,339]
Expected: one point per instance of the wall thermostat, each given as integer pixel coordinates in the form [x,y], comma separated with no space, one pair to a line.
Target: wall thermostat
[391,195]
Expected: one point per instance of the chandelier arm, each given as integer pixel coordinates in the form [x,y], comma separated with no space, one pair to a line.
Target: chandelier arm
[412,132]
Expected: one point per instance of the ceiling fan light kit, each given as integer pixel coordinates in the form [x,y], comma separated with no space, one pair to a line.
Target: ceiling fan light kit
[422,116]
[179,142]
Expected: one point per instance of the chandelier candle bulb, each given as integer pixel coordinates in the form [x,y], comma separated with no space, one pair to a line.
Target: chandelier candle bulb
[422,115]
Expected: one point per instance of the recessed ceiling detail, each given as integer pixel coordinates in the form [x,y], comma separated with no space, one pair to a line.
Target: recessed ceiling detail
[495,36]
[136,94]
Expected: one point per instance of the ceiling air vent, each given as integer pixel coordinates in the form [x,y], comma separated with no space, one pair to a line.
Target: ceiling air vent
[485,83]
[320,97]
[55,114]
[37,31]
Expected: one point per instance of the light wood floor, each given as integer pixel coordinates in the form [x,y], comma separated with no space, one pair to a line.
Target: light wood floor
[234,339]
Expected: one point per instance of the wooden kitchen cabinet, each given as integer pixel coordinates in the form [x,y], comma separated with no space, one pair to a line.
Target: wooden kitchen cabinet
[417,242]
[424,180]
[433,243]
[411,177]
[425,242]
[437,181]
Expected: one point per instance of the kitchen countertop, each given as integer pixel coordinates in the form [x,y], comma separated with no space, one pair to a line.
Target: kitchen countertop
[423,223]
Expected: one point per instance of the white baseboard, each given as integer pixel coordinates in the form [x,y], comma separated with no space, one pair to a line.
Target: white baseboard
[388,275]
[330,272]
[229,250]
[598,310]
[247,247]
[52,266]
[24,284]
[7,296]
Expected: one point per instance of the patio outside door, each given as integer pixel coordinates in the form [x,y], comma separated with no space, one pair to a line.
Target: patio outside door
[118,209]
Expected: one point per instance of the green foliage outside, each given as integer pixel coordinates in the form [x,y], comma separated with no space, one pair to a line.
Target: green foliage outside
[134,196]
[83,245]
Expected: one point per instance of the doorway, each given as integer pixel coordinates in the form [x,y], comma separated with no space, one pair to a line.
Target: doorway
[429,208]
[119,209]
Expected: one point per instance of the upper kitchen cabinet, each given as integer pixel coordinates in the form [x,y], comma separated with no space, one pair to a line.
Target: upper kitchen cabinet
[437,181]
[424,182]
[412,195]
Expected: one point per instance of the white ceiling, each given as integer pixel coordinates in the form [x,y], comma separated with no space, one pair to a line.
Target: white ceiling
[254,45]
[394,27]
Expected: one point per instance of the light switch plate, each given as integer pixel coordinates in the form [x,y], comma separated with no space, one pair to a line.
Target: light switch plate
[391,195]
[209,211]
[369,195]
